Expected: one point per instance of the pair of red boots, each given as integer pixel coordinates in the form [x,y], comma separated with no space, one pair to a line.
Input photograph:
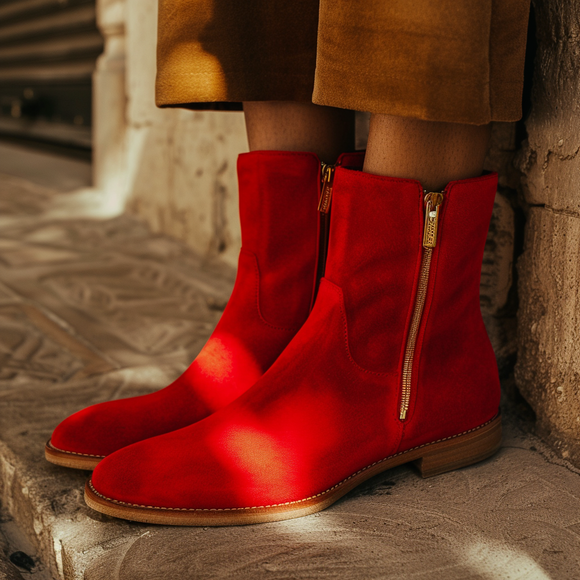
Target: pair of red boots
[307,388]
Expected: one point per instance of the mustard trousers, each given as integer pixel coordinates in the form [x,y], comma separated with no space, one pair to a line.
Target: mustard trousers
[441,60]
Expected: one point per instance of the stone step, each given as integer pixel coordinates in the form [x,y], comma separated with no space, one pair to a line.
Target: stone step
[516,515]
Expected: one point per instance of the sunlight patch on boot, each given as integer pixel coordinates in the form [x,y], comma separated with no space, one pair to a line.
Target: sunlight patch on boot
[227,368]
[258,459]
[216,360]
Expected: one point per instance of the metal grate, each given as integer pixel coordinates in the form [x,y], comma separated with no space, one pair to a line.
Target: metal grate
[48,50]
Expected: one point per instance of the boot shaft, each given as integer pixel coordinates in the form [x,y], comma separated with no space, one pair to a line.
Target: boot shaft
[279,193]
[410,273]
[278,196]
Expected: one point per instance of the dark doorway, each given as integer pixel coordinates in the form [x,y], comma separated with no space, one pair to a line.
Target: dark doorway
[48,50]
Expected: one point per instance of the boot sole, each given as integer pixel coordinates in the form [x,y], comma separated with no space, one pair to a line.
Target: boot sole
[431,459]
[70,459]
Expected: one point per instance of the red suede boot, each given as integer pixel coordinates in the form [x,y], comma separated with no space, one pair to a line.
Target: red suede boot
[272,297]
[392,366]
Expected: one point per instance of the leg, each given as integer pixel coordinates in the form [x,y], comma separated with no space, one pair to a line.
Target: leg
[293,126]
[433,153]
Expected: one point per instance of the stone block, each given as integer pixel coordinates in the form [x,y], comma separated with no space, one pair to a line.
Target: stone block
[548,368]
[550,160]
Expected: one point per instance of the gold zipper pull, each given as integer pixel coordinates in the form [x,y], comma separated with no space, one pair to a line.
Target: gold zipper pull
[433,203]
[326,191]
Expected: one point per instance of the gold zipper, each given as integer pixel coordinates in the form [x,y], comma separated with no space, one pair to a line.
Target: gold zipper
[327,178]
[433,203]
[327,172]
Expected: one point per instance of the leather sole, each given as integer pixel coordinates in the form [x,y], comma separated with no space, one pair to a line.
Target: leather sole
[70,459]
[431,459]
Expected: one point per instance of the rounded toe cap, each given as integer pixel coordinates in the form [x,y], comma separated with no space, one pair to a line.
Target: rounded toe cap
[98,431]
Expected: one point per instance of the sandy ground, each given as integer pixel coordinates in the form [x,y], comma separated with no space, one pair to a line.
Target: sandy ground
[92,310]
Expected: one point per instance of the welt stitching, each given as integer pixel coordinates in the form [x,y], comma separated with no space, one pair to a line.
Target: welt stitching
[119,502]
[74,452]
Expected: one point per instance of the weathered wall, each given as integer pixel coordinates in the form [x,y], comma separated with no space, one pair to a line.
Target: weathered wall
[548,368]
[174,168]
[182,164]
[109,107]
[497,292]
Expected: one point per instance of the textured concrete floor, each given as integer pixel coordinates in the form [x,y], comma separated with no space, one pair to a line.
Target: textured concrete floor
[96,310]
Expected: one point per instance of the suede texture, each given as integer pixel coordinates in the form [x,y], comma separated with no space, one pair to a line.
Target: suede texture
[291,435]
[329,405]
[449,60]
[270,301]
[373,258]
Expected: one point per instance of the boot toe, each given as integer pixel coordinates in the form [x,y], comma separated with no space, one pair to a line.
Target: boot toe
[92,431]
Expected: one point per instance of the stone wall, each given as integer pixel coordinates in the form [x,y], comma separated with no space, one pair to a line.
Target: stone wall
[497,291]
[175,168]
[548,368]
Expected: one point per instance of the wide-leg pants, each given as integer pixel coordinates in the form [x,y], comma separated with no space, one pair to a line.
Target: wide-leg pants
[443,60]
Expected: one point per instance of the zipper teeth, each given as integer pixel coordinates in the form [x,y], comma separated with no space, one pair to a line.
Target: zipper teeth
[323,224]
[413,331]
[322,250]
[433,201]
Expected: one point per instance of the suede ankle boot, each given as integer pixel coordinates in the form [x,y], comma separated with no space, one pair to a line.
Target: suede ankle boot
[282,241]
[393,365]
